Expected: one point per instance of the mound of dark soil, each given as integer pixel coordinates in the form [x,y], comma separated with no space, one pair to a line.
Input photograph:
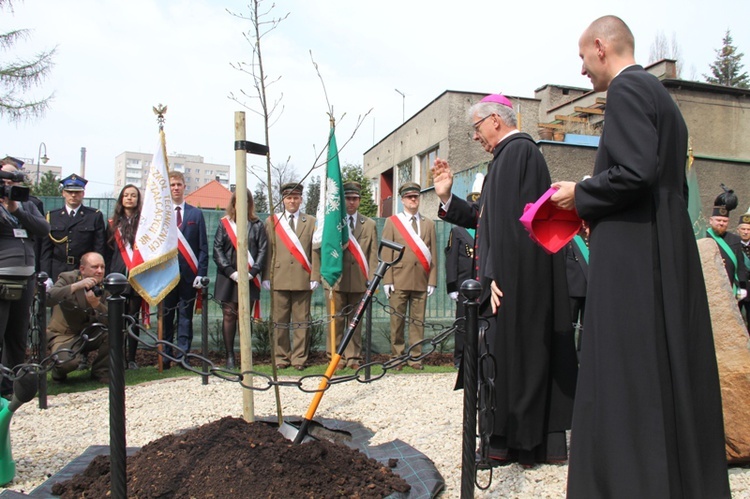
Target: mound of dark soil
[233,458]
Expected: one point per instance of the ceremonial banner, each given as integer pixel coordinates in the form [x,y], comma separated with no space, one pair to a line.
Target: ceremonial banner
[331,233]
[156,270]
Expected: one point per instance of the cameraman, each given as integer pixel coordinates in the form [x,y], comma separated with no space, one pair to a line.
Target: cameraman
[20,223]
[79,301]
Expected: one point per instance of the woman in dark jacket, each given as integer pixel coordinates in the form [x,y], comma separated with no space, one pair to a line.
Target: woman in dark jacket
[121,232]
[227,274]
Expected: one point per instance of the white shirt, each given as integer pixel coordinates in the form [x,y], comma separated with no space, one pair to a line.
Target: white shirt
[406,219]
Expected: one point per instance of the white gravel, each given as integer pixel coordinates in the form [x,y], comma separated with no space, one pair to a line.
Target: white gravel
[420,409]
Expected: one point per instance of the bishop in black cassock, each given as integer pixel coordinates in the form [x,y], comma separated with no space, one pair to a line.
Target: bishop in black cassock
[530,333]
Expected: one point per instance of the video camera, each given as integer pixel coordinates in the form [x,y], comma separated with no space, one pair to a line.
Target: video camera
[14,192]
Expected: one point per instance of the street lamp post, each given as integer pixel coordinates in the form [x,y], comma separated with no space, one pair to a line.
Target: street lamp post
[403,105]
[40,158]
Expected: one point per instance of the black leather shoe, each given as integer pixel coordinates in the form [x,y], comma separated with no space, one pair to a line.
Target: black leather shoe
[230,362]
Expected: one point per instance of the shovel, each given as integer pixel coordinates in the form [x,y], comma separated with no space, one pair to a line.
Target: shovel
[300,435]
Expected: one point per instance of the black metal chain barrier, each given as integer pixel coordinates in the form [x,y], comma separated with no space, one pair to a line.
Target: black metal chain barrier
[409,320]
[188,360]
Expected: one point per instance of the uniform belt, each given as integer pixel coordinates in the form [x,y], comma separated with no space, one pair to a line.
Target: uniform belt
[71,260]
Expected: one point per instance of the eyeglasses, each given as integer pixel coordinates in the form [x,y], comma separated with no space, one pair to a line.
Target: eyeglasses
[476,125]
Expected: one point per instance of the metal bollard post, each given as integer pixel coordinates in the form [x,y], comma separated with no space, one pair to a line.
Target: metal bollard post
[41,321]
[471,289]
[368,340]
[115,284]
[204,327]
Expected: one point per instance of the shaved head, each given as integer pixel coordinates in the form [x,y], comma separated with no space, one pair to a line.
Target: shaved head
[615,32]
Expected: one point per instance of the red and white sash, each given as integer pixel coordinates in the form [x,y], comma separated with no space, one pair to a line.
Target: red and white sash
[359,256]
[415,242]
[291,241]
[183,246]
[132,259]
[231,229]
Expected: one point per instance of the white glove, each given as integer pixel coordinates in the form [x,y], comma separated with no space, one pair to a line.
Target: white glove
[197,282]
[388,289]
[314,285]
[430,290]
[266,284]
[453,296]
[741,294]
[235,276]
[48,284]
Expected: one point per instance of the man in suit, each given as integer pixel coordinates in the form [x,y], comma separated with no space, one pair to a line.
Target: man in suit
[75,229]
[413,279]
[293,273]
[459,267]
[648,418]
[193,261]
[79,301]
[360,261]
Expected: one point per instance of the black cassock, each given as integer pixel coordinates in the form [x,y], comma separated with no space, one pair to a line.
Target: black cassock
[648,419]
[531,336]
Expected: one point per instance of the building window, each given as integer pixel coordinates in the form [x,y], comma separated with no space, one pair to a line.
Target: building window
[187,170]
[405,173]
[426,161]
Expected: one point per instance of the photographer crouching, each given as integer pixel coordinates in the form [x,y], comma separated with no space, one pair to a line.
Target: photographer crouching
[79,301]
[20,223]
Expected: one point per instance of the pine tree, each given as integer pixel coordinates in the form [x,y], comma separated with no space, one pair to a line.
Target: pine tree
[312,195]
[260,198]
[354,173]
[19,75]
[727,68]
[48,185]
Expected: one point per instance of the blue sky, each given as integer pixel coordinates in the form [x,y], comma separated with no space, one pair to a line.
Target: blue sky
[117,59]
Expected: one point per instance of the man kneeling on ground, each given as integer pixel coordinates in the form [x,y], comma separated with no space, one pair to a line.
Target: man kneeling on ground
[79,301]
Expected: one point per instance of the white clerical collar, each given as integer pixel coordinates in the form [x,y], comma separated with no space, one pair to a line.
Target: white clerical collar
[623,69]
[512,132]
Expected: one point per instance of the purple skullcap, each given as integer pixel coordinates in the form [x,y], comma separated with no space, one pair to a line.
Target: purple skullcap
[499,99]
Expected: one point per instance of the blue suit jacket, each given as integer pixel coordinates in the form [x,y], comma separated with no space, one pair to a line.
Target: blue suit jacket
[194,229]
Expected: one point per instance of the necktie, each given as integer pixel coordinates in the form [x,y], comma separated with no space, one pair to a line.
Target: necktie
[414,224]
[351,222]
[179,215]
[72,213]
[291,223]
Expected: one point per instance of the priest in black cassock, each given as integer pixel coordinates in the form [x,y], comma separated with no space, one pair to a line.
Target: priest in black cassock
[648,419]
[524,292]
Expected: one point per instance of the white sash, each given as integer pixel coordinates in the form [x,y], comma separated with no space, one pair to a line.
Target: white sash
[250,259]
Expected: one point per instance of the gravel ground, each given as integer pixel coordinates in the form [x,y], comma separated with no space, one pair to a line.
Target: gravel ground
[421,409]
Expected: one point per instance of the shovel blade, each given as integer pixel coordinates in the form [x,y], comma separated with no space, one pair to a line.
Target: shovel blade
[290,432]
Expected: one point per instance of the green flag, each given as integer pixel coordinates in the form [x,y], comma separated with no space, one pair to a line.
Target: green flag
[694,199]
[331,233]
